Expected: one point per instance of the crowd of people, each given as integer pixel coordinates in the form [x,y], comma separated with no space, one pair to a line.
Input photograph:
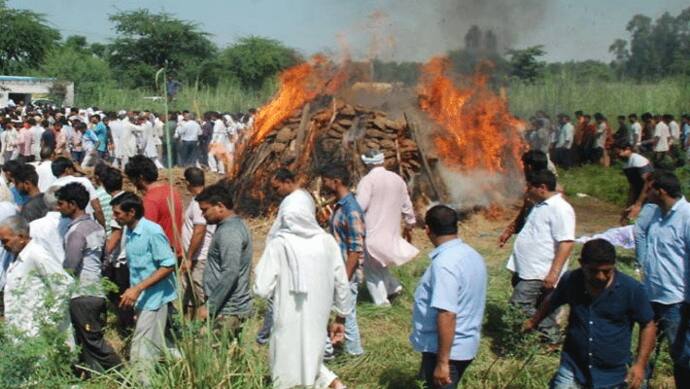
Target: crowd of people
[91,135]
[591,138]
[63,231]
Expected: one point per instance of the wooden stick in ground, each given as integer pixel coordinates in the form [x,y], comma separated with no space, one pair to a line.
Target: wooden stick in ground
[425,162]
[302,130]
[397,157]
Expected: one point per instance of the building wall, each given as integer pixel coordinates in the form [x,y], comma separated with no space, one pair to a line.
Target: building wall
[32,87]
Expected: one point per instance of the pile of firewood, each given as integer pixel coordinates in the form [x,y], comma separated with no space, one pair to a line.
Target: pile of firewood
[306,141]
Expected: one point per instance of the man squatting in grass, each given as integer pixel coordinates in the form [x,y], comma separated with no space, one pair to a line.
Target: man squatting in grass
[604,306]
[448,303]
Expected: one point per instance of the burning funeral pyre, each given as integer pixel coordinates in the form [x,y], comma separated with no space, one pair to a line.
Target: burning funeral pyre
[308,124]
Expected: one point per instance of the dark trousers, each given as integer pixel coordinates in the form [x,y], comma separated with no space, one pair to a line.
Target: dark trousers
[125,316]
[188,153]
[528,295]
[426,372]
[674,321]
[564,157]
[203,153]
[88,319]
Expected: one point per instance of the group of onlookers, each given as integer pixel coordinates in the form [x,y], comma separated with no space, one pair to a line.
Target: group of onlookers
[91,135]
[590,138]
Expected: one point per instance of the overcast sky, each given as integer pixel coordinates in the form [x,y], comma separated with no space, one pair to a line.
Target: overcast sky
[389,29]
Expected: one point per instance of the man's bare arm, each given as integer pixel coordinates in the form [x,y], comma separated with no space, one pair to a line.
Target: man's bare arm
[562,253]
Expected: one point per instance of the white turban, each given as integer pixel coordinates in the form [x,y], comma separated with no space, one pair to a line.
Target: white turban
[376,159]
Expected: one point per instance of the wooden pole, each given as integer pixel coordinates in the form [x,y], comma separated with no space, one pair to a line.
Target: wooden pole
[425,162]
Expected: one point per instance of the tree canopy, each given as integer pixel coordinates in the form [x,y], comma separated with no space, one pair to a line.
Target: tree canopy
[656,48]
[148,41]
[524,64]
[254,59]
[25,39]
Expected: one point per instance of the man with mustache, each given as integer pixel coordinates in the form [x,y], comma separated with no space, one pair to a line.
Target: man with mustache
[662,245]
[604,306]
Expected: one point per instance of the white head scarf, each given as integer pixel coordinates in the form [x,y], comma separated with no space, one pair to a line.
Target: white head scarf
[373,157]
[297,219]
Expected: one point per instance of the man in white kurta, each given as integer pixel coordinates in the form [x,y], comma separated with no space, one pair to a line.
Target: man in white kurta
[128,140]
[302,268]
[383,197]
[219,149]
[34,279]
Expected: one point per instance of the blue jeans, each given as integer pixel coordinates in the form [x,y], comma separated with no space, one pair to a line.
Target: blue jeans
[680,350]
[565,379]
[426,372]
[353,342]
[669,320]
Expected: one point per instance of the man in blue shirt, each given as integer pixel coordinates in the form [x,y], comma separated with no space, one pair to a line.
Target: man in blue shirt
[604,306]
[101,130]
[151,275]
[662,237]
[448,303]
[347,227]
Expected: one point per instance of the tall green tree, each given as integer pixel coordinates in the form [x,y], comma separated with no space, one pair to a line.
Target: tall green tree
[25,39]
[525,65]
[253,60]
[656,48]
[89,73]
[149,41]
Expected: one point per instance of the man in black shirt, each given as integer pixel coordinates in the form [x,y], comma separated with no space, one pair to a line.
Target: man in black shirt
[26,180]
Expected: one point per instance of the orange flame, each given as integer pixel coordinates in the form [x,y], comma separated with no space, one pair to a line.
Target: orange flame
[480,132]
[299,85]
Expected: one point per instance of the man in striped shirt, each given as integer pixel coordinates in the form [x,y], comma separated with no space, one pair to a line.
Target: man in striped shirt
[347,226]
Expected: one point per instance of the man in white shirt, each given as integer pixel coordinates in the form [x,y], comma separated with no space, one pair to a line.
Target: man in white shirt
[220,145]
[564,141]
[37,285]
[635,131]
[49,231]
[188,132]
[63,169]
[196,238]
[44,169]
[637,170]
[36,134]
[116,132]
[673,127]
[541,249]
[661,139]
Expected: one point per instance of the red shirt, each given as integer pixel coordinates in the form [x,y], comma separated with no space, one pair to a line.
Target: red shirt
[159,202]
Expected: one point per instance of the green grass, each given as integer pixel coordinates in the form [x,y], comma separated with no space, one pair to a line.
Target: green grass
[198,99]
[557,94]
[609,185]
[506,358]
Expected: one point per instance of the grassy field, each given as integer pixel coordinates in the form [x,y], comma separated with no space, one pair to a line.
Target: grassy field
[552,95]
[568,95]
[198,99]
[507,359]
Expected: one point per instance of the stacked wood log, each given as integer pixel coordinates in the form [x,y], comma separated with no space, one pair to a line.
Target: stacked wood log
[306,141]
